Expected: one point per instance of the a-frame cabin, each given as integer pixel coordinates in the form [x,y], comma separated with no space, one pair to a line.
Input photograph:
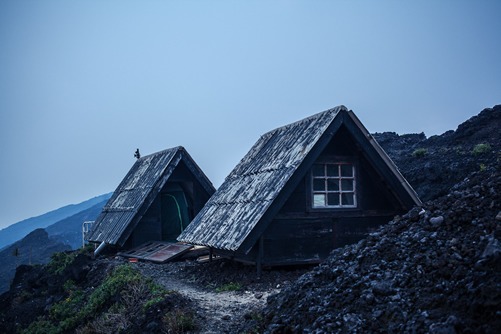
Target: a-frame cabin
[156,201]
[302,190]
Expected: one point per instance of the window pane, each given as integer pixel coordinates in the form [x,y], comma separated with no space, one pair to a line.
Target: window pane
[347,185]
[318,170]
[319,184]
[348,198]
[333,184]
[333,199]
[318,200]
[332,170]
[346,170]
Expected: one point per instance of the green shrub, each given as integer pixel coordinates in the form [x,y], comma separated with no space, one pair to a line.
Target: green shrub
[72,311]
[153,301]
[120,278]
[229,287]
[124,294]
[179,321]
[59,261]
[419,152]
[481,149]
[41,326]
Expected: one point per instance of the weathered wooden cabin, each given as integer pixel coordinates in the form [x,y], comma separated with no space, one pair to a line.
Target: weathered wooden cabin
[301,191]
[156,201]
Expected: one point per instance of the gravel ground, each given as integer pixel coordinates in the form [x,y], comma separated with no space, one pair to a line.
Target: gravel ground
[217,310]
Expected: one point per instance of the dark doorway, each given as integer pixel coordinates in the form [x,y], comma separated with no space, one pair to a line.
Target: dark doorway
[174,213]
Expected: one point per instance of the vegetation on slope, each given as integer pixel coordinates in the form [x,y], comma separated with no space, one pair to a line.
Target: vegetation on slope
[72,293]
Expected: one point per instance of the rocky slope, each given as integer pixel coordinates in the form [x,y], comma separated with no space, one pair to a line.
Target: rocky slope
[76,294]
[433,165]
[436,269]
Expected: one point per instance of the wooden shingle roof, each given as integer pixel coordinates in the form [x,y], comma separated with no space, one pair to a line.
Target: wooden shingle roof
[137,191]
[243,201]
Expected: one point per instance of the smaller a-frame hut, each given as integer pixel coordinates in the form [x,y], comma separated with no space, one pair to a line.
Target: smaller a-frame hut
[301,191]
[156,201]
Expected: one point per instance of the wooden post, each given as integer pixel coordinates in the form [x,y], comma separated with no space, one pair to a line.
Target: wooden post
[259,262]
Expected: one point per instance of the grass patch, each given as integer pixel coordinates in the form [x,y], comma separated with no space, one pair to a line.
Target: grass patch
[481,149]
[229,287]
[59,261]
[179,321]
[419,152]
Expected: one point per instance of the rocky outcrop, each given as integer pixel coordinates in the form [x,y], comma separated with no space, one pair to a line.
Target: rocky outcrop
[433,165]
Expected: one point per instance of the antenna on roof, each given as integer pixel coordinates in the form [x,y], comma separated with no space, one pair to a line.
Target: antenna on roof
[137,155]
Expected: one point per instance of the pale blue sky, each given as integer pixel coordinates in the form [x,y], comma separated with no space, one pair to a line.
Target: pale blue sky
[84,83]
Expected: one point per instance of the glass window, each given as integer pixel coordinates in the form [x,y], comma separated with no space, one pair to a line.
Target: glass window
[318,170]
[347,185]
[319,184]
[346,170]
[332,170]
[318,200]
[333,185]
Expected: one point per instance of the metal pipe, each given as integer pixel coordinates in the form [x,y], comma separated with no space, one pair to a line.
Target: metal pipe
[100,248]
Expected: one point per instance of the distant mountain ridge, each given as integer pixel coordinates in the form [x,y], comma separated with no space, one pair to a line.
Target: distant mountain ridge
[19,230]
[38,245]
[35,248]
[69,230]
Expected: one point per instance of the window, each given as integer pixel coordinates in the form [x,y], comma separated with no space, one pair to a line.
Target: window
[333,185]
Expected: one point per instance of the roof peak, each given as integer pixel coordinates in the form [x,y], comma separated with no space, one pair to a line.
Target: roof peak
[168,150]
[334,110]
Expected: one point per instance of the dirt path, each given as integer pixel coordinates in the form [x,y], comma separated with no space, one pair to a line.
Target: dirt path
[217,312]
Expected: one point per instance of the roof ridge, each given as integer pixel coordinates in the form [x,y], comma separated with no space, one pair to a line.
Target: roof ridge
[168,150]
[306,119]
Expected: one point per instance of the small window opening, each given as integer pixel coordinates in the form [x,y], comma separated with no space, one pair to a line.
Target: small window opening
[333,185]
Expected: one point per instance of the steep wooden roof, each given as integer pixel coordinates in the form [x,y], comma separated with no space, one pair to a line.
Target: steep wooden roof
[254,191]
[137,191]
